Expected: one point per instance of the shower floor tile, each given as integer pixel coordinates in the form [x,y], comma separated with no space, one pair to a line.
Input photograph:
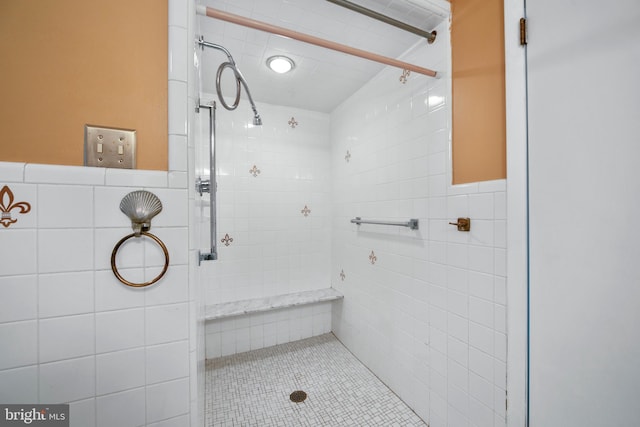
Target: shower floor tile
[253,388]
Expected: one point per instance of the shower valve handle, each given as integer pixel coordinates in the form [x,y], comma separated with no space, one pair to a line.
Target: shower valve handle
[463,224]
[203,186]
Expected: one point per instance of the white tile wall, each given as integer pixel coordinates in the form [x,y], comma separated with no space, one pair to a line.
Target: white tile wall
[75,331]
[167,400]
[20,298]
[54,291]
[67,380]
[66,337]
[275,248]
[135,178]
[20,339]
[11,172]
[61,250]
[167,362]
[20,385]
[65,206]
[120,370]
[119,330]
[243,333]
[166,323]
[82,413]
[177,291]
[70,332]
[17,252]
[125,409]
[51,174]
[429,314]
[114,296]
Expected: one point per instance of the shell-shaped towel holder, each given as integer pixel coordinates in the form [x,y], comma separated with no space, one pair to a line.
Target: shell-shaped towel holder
[140,206]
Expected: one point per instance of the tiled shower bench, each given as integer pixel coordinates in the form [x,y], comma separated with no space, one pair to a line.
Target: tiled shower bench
[258,305]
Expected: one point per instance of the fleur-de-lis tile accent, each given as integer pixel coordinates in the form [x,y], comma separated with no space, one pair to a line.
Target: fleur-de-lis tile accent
[292,122]
[7,205]
[305,211]
[227,240]
[373,258]
[347,157]
[342,275]
[254,171]
[404,76]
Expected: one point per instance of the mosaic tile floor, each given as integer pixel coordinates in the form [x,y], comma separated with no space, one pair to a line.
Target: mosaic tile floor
[253,388]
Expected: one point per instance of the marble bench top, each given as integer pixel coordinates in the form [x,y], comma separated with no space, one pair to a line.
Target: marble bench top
[236,308]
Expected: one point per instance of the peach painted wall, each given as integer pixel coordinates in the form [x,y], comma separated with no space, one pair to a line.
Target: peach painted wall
[479,129]
[68,63]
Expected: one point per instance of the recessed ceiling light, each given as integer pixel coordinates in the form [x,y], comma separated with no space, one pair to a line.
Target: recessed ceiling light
[280,64]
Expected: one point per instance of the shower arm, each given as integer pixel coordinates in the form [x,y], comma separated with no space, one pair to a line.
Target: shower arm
[240,78]
[204,44]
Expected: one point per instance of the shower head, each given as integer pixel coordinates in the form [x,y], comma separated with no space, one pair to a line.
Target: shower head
[257,120]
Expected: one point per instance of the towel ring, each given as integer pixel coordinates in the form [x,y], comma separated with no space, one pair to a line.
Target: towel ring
[124,239]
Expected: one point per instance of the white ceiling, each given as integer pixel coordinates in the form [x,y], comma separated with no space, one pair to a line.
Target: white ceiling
[322,78]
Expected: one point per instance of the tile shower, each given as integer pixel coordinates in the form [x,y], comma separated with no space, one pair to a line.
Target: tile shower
[425,309]
[274,225]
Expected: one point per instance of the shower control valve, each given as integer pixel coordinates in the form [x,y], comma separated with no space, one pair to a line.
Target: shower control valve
[203,186]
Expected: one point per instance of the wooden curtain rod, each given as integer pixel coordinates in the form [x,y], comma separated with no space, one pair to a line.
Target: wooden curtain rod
[263,26]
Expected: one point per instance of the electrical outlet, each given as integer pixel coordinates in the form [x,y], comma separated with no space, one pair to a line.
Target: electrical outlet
[109,147]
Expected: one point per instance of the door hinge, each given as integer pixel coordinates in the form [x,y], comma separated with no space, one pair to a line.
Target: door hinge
[523,31]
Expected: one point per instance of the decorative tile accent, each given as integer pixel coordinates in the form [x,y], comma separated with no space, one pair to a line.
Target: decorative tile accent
[373,258]
[227,240]
[348,156]
[306,211]
[341,390]
[254,171]
[293,123]
[342,275]
[7,205]
[404,76]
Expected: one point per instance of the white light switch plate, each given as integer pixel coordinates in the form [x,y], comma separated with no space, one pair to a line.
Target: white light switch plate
[109,147]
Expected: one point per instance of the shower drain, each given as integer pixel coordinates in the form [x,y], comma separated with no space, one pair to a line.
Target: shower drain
[298,396]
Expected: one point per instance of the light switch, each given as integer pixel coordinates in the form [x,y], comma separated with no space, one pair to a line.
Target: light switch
[109,147]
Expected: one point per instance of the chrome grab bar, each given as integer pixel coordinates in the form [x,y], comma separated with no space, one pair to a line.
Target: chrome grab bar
[412,223]
[209,185]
